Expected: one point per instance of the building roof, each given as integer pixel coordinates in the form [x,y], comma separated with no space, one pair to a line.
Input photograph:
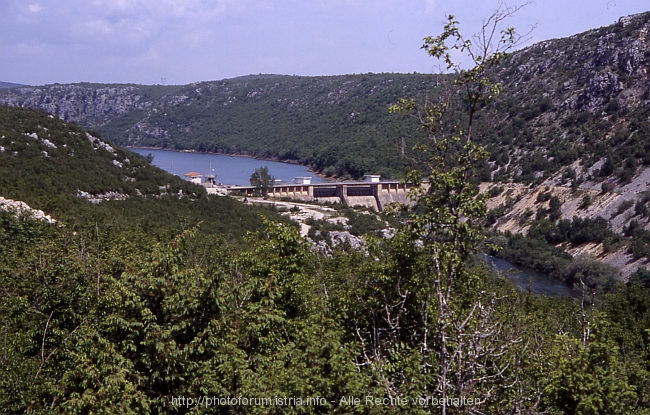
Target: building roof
[193,174]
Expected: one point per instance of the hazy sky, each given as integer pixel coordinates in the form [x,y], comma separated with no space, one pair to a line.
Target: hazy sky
[183,41]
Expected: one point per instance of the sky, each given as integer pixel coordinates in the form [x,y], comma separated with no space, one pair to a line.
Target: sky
[184,41]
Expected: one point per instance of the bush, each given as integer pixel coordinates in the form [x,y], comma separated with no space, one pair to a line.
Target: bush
[586,201]
[494,214]
[598,277]
[495,191]
[607,187]
[640,208]
[641,277]
[625,205]
[543,197]
[362,223]
[555,208]
[576,231]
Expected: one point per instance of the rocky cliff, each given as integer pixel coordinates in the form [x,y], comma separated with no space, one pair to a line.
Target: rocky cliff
[580,98]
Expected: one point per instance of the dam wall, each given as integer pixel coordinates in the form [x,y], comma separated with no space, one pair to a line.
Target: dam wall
[374,195]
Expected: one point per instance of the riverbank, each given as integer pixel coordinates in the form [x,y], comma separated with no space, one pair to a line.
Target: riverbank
[528,279]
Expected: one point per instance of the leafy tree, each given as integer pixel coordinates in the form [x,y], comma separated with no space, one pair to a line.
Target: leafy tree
[262,180]
[457,326]
[587,376]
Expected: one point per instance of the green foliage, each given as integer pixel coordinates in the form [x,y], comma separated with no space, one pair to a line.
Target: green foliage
[586,201]
[18,230]
[587,376]
[129,326]
[579,231]
[591,276]
[640,244]
[533,253]
[443,230]
[494,214]
[363,222]
[262,180]
[554,208]
[537,250]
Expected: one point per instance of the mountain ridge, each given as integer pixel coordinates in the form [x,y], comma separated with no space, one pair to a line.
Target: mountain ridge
[4,85]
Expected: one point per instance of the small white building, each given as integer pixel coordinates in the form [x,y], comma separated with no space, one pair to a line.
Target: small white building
[303,180]
[372,178]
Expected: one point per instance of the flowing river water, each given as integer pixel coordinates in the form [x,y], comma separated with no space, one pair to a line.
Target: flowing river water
[526,279]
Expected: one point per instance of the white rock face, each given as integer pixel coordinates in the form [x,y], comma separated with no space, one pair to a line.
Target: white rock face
[22,208]
[97,198]
[97,143]
[48,143]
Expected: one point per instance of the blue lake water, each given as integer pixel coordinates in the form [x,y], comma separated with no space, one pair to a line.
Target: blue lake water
[231,170]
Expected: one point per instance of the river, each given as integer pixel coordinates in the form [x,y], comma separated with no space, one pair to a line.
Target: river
[537,282]
[232,170]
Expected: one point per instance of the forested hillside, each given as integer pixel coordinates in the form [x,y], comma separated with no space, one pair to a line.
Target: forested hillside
[79,179]
[339,125]
[129,303]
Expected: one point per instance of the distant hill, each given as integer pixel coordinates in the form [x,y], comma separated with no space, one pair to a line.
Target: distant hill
[581,98]
[337,124]
[4,85]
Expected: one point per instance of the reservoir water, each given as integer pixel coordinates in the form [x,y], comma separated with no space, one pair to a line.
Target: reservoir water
[233,170]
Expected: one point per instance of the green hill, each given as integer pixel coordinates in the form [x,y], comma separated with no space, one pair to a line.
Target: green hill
[79,179]
[339,125]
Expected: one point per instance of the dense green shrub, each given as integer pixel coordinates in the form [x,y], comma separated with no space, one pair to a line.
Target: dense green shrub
[555,208]
[576,231]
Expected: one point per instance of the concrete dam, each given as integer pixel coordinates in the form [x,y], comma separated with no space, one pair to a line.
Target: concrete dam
[372,194]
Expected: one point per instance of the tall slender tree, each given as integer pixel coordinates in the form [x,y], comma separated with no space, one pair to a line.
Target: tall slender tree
[460,341]
[262,180]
